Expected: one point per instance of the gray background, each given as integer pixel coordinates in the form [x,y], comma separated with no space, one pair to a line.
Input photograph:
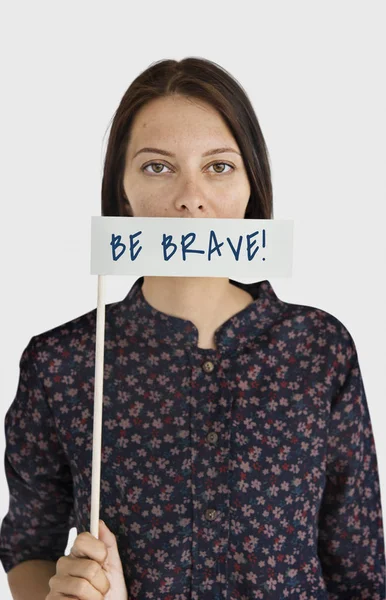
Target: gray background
[315,72]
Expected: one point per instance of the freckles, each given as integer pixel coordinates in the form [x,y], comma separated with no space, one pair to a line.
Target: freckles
[149,199]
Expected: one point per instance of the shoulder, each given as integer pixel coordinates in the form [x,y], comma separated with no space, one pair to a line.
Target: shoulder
[74,337]
[317,325]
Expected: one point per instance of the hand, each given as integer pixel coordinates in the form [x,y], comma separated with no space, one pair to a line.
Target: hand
[92,570]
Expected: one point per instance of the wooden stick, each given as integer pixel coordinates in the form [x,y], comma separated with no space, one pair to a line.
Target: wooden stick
[98,407]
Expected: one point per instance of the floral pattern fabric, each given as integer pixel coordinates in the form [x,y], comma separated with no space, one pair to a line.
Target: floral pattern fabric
[243,472]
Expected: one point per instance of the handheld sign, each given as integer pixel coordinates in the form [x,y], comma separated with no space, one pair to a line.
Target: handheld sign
[179,247]
[191,247]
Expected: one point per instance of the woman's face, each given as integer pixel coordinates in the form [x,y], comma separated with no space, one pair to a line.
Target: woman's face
[183,175]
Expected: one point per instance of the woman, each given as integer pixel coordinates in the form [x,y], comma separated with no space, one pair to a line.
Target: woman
[238,459]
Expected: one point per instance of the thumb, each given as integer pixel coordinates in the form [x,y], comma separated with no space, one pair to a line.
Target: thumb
[106,535]
[113,559]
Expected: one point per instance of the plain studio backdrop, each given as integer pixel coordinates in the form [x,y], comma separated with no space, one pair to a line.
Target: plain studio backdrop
[315,73]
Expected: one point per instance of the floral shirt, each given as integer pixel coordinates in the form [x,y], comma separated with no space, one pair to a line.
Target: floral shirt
[243,472]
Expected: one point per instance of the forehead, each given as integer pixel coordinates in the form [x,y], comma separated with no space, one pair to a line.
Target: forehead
[175,117]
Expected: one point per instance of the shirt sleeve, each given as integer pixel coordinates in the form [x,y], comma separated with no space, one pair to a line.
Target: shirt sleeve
[351,538]
[39,478]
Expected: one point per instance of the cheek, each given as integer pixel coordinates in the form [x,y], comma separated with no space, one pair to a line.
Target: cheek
[140,192]
[236,189]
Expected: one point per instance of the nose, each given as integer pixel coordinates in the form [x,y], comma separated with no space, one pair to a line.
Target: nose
[191,198]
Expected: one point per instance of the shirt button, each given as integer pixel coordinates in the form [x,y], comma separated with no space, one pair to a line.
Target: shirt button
[208,366]
[212,437]
[210,514]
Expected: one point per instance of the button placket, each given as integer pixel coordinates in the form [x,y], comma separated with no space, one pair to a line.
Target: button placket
[212,437]
[208,367]
[212,519]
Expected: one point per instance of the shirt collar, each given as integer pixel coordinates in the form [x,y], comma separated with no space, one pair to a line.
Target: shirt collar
[241,329]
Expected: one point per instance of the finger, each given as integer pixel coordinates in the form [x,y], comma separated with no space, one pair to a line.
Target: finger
[59,596]
[84,568]
[74,586]
[109,538]
[88,546]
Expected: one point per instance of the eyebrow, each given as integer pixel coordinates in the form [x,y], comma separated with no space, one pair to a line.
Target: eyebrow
[166,153]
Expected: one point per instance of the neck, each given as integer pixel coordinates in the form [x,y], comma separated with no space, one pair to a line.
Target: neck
[205,301]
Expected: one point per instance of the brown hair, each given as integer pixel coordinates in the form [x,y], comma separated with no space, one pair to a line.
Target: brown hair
[204,80]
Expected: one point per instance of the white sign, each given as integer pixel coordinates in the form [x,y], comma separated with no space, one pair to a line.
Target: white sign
[164,246]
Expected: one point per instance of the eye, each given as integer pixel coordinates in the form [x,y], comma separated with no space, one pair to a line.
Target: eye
[158,164]
[221,163]
[153,163]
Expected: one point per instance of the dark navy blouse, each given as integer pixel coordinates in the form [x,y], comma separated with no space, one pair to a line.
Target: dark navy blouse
[244,472]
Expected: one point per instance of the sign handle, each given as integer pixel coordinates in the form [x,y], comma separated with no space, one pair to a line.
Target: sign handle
[98,407]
